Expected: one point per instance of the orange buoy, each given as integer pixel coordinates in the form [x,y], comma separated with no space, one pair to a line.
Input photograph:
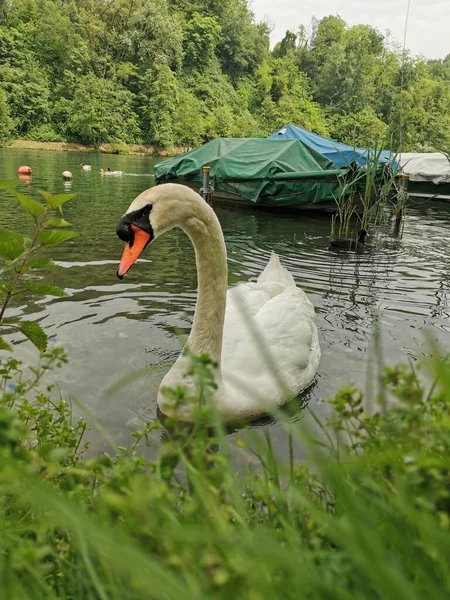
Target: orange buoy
[24,170]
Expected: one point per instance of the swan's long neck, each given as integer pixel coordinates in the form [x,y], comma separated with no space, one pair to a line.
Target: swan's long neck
[212,276]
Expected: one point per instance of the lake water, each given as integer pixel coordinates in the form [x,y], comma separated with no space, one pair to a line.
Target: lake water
[110,328]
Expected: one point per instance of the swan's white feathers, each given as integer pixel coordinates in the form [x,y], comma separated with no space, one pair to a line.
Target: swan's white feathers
[276,273]
[285,321]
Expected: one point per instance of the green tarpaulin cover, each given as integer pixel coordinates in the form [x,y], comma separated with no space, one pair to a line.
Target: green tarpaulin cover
[266,171]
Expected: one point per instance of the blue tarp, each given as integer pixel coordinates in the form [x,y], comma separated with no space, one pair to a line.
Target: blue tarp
[341,154]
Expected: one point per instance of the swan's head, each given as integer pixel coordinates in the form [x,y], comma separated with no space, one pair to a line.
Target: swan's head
[151,214]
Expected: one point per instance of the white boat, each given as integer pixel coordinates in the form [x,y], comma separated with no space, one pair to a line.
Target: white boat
[428,172]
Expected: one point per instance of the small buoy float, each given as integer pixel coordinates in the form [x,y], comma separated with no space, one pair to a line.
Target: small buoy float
[24,170]
[67,175]
[86,167]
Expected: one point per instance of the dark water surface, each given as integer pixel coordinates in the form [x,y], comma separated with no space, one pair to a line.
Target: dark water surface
[110,328]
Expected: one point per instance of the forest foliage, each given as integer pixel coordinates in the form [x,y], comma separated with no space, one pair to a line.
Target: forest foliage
[178,73]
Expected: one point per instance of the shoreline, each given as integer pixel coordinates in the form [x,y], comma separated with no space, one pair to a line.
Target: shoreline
[118,148]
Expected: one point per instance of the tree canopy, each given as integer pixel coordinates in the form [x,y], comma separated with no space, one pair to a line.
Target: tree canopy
[179,72]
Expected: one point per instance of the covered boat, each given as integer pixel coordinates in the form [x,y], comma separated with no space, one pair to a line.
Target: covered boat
[428,172]
[340,154]
[274,173]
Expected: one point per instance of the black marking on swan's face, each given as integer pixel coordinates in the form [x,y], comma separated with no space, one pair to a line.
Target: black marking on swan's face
[139,218]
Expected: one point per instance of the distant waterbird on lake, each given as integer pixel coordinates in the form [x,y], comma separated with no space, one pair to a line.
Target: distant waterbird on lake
[262,334]
[86,167]
[349,244]
[109,172]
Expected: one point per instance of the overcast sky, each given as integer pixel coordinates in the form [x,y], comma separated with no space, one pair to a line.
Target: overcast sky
[428,26]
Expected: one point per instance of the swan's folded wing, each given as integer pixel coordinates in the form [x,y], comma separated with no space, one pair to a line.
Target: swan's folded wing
[280,335]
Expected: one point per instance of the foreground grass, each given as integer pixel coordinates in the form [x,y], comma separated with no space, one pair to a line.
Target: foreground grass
[368,518]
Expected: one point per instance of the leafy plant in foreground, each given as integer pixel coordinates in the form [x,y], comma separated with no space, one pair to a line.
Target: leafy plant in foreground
[19,257]
[368,519]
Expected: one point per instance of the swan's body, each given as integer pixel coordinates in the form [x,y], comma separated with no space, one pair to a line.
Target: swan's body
[116,173]
[86,167]
[251,329]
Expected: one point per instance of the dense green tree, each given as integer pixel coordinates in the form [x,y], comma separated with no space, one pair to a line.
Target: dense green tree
[242,45]
[6,123]
[201,36]
[282,95]
[159,101]
[180,72]
[326,33]
[440,68]
[189,128]
[363,128]
[101,111]
[287,46]
[346,82]
[28,94]
[420,119]
[53,39]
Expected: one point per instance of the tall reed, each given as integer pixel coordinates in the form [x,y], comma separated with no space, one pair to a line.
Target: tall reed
[366,191]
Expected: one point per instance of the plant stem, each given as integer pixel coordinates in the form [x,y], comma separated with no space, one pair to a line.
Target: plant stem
[23,262]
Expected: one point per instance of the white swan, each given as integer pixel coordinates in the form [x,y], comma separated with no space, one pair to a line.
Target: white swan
[86,167]
[281,312]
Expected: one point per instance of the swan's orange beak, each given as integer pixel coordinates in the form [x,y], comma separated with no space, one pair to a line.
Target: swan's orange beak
[132,250]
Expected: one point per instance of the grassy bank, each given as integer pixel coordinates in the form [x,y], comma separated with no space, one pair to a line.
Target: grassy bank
[367,518]
[118,148]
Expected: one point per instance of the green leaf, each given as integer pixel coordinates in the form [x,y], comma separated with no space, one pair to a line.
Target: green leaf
[59,199]
[56,222]
[42,288]
[5,346]
[12,244]
[7,185]
[55,236]
[40,263]
[5,287]
[44,194]
[35,334]
[10,320]
[33,207]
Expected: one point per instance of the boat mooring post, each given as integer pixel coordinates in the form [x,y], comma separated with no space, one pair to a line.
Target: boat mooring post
[401,204]
[206,190]
[404,182]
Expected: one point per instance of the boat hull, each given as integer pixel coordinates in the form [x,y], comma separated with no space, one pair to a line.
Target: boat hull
[429,190]
[231,199]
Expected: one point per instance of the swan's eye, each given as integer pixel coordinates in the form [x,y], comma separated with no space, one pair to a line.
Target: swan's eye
[139,218]
[138,215]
